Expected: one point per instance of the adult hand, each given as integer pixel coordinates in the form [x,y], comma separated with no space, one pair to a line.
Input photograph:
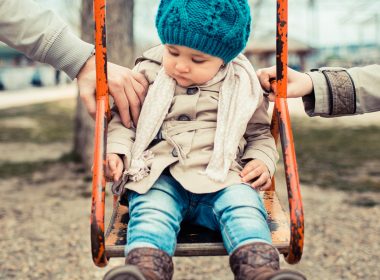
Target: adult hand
[127,88]
[299,84]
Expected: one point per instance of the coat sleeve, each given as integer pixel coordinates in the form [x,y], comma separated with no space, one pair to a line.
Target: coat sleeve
[42,36]
[260,142]
[340,92]
[120,139]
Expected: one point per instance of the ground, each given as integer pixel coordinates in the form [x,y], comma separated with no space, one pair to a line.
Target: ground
[45,201]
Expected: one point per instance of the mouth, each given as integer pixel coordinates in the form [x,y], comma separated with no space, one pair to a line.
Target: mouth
[179,77]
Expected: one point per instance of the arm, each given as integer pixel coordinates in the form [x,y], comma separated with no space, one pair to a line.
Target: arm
[42,36]
[331,92]
[260,142]
[339,91]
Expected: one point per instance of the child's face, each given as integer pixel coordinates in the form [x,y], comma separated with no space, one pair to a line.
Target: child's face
[188,66]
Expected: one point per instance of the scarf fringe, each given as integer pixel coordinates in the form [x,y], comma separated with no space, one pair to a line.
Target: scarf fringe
[139,167]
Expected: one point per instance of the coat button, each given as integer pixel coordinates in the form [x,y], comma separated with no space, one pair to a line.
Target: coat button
[184,118]
[192,90]
[174,152]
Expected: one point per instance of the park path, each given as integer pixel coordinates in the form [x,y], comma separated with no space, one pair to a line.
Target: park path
[34,95]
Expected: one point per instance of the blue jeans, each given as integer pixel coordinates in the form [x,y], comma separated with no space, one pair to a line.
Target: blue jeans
[155,217]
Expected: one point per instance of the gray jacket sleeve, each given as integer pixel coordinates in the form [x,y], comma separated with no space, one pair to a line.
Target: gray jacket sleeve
[42,36]
[340,92]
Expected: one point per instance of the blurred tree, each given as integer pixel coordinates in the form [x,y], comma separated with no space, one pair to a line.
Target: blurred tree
[120,50]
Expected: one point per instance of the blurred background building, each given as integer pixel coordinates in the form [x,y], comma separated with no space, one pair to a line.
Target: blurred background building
[321,33]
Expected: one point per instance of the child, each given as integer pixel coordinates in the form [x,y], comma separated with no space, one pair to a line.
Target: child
[203,119]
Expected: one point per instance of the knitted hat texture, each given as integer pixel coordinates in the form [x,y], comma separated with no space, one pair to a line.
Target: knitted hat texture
[217,27]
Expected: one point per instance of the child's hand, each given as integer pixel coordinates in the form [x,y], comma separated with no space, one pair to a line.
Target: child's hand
[256,171]
[114,167]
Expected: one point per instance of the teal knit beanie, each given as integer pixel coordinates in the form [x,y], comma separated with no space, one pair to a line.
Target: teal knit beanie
[217,27]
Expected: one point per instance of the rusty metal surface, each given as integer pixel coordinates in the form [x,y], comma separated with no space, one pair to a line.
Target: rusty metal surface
[199,241]
[102,114]
[282,48]
[282,116]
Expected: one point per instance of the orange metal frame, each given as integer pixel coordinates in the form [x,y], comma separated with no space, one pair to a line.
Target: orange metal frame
[102,115]
[280,127]
[281,124]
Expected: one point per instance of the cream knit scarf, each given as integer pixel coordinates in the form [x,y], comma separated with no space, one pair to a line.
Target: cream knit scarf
[238,100]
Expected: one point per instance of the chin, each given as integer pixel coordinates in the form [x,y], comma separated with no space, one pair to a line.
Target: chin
[184,83]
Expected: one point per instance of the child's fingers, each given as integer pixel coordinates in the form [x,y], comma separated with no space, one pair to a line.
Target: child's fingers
[261,180]
[266,186]
[272,97]
[249,167]
[251,175]
[118,171]
[111,166]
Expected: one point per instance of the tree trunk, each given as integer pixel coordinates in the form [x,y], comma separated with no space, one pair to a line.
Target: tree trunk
[120,50]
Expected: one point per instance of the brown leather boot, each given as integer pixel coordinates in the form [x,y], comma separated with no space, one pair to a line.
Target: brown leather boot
[144,264]
[259,261]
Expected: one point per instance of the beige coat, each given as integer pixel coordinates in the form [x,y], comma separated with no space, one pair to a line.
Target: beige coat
[339,92]
[190,125]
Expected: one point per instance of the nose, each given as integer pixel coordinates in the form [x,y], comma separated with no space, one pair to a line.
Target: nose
[182,67]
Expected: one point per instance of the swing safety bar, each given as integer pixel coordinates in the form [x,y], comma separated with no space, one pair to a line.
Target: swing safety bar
[280,127]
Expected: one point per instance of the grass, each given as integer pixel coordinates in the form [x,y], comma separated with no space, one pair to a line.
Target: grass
[23,169]
[338,157]
[39,124]
[52,122]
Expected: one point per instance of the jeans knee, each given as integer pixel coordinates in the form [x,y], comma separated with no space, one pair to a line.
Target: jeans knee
[155,219]
[239,198]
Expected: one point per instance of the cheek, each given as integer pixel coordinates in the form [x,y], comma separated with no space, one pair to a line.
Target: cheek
[168,65]
[208,73]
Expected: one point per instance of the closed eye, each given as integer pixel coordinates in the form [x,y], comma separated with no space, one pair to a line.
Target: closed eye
[198,61]
[173,53]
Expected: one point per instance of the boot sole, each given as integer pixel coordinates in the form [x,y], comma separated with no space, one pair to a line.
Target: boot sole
[127,272]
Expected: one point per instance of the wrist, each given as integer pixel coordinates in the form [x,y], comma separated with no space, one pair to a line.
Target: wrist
[88,66]
[307,85]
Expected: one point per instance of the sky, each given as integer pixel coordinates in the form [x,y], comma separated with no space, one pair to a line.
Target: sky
[331,22]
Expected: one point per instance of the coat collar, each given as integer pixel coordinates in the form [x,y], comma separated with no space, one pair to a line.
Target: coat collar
[153,54]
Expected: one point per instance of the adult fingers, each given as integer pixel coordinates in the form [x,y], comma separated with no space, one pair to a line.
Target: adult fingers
[140,79]
[139,90]
[122,104]
[265,75]
[134,102]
